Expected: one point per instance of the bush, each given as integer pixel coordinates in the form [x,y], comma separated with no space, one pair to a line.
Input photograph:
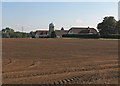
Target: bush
[81,35]
[113,36]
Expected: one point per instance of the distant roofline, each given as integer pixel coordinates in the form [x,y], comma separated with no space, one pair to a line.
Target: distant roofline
[61,30]
[42,30]
[79,27]
[82,28]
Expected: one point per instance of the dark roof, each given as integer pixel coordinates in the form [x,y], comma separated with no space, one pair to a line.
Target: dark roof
[85,31]
[51,24]
[82,30]
[61,32]
[41,32]
[78,28]
[62,28]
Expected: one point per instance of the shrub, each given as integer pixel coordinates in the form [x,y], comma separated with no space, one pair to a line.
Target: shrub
[81,35]
[113,36]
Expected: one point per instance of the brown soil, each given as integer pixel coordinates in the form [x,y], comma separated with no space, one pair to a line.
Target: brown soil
[59,61]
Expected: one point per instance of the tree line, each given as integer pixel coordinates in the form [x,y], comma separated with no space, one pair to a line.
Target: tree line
[10,33]
[109,27]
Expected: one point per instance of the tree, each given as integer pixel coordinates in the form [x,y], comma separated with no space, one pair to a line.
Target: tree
[118,26]
[7,32]
[53,35]
[32,34]
[18,35]
[107,26]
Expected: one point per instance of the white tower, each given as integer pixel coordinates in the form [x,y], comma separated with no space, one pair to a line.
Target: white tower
[51,28]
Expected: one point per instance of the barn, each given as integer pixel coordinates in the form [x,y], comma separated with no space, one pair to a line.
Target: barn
[41,34]
[82,30]
[60,33]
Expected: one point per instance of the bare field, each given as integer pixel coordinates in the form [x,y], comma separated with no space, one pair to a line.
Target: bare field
[59,61]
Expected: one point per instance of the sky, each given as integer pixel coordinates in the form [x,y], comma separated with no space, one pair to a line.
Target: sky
[37,15]
[119,10]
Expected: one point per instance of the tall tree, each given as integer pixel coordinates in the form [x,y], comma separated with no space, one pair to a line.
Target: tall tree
[7,32]
[32,34]
[107,26]
[118,26]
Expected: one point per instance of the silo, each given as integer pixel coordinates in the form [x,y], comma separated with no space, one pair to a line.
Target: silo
[51,29]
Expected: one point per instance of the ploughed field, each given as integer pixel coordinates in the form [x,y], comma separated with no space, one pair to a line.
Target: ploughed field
[59,61]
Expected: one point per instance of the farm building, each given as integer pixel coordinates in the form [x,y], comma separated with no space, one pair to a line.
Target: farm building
[59,33]
[45,33]
[82,30]
[41,34]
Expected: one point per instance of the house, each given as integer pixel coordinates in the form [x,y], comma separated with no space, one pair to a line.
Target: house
[82,30]
[45,33]
[61,32]
[41,34]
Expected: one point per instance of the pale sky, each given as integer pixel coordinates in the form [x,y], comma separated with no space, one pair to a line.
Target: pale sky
[37,15]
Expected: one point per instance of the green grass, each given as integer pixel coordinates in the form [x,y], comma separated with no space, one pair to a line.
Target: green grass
[107,39]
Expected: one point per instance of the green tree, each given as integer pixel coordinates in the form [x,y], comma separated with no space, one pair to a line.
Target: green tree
[107,26]
[18,35]
[32,34]
[118,26]
[7,33]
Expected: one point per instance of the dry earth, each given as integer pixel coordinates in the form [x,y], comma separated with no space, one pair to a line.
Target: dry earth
[59,61]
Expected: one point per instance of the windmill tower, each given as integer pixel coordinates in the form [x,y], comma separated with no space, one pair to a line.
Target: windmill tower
[51,29]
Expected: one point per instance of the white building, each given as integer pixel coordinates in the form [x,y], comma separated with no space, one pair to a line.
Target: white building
[45,33]
[60,33]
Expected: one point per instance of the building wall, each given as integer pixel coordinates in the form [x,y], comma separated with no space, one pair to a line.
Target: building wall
[59,33]
[41,33]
